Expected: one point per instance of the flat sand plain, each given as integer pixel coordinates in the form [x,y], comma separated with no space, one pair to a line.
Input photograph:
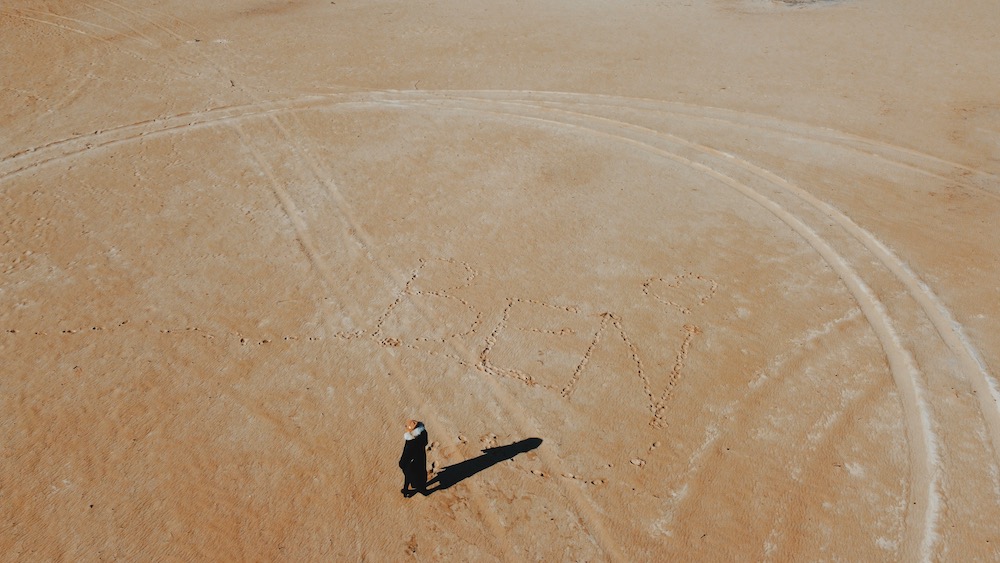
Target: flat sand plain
[734,263]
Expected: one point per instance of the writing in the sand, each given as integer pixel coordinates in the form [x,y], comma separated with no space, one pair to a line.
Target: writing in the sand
[537,343]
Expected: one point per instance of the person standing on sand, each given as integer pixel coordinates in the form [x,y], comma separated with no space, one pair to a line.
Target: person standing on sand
[413,462]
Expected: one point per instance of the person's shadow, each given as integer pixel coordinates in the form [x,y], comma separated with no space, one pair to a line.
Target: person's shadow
[452,474]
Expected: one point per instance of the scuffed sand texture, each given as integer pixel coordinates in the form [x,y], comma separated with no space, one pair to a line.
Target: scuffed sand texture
[734,263]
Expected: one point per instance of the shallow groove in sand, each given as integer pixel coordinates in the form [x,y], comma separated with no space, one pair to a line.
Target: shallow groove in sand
[557,109]
[925,494]
[948,329]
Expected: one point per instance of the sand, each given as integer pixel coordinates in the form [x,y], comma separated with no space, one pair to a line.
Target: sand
[722,274]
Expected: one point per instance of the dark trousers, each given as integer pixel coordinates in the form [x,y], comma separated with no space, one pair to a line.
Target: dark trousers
[415,477]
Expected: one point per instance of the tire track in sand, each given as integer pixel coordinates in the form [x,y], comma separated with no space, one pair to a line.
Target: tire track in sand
[87,34]
[900,363]
[64,149]
[903,157]
[944,322]
[583,504]
[81,28]
[947,329]
[78,145]
[924,496]
[936,312]
[59,150]
[307,173]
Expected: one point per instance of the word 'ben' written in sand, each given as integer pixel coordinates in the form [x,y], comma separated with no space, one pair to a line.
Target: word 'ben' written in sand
[542,344]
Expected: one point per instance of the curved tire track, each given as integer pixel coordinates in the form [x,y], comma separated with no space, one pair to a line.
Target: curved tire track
[925,494]
[936,312]
[540,108]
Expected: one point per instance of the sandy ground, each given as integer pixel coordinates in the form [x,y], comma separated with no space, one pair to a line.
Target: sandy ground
[723,273]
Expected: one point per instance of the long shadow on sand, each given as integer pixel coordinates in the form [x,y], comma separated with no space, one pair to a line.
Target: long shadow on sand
[452,474]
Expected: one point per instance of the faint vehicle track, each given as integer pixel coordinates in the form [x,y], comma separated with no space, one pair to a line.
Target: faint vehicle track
[561,110]
[92,30]
[870,147]
[948,329]
[924,442]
